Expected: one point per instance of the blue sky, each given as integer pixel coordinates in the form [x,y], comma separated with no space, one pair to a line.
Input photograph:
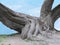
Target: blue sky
[31,7]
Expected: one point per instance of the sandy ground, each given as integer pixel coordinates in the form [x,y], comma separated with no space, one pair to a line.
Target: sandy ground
[16,40]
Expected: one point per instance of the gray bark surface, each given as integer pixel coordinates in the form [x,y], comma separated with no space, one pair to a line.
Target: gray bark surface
[33,28]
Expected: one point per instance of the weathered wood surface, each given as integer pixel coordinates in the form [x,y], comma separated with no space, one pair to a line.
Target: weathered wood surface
[46,8]
[55,13]
[34,28]
[13,20]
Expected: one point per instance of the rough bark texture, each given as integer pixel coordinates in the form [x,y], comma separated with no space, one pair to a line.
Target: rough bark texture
[46,8]
[55,13]
[33,28]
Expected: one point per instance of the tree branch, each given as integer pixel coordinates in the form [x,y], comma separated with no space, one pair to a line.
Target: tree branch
[13,20]
[46,8]
[9,23]
[55,13]
[10,14]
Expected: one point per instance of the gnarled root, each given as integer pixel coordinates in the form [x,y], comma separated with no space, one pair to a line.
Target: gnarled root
[32,30]
[25,31]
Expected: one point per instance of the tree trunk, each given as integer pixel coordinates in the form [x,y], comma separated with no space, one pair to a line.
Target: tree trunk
[46,12]
[33,28]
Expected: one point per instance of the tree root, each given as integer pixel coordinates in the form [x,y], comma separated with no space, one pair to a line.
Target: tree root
[32,29]
[25,31]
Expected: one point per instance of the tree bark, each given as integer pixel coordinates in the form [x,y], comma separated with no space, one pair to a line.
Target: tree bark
[13,20]
[46,8]
[46,13]
[55,14]
[33,28]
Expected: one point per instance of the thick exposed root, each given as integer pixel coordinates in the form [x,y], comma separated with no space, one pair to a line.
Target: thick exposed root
[32,30]
[25,31]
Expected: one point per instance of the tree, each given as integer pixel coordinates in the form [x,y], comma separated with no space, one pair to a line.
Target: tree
[33,28]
